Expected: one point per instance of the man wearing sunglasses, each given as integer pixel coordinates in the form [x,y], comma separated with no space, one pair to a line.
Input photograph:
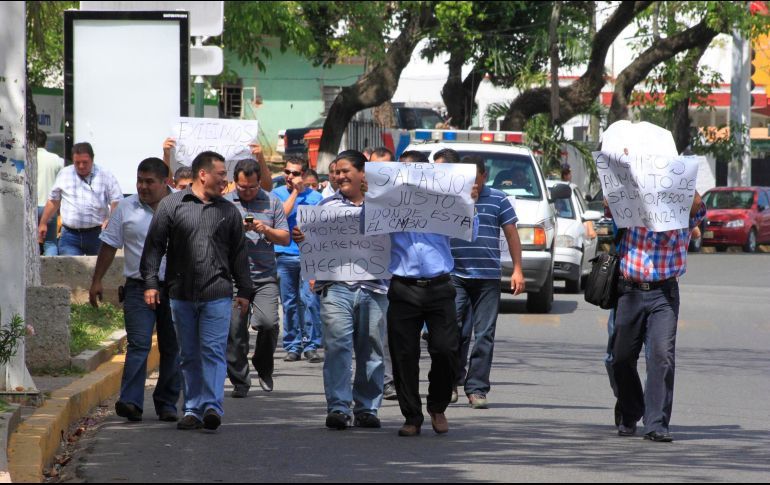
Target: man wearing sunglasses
[301,309]
[264,224]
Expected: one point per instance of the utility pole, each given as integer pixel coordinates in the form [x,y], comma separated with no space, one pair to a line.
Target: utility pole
[740,110]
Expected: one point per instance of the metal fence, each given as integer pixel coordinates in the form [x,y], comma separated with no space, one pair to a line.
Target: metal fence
[362,134]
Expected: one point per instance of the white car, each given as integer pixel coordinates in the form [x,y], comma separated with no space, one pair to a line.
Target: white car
[574,249]
[514,170]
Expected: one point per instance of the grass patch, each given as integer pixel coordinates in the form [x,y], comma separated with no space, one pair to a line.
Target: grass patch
[90,326]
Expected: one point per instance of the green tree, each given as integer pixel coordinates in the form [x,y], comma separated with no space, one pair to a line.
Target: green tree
[45,42]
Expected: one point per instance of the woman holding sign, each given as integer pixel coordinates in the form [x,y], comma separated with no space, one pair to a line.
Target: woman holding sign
[353,315]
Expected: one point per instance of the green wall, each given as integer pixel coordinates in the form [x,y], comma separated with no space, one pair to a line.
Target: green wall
[291,89]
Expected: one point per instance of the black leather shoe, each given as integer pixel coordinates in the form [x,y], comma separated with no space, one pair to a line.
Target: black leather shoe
[211,420]
[128,411]
[624,430]
[367,420]
[240,392]
[337,420]
[168,416]
[659,437]
[313,357]
[389,392]
[189,422]
[291,357]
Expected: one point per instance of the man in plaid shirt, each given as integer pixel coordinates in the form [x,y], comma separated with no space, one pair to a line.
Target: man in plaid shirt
[647,312]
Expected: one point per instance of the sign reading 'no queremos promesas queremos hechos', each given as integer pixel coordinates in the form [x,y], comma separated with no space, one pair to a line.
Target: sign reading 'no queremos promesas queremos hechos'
[649,191]
[334,248]
[420,197]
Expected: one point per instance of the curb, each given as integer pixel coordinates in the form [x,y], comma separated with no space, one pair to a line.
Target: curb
[90,360]
[10,421]
[34,444]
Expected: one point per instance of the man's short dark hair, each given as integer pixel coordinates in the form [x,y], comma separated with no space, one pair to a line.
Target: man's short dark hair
[154,166]
[83,148]
[182,173]
[295,160]
[205,161]
[481,167]
[565,169]
[312,173]
[449,156]
[246,167]
[413,156]
[382,152]
[40,138]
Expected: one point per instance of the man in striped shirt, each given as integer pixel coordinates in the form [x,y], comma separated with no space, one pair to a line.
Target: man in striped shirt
[203,236]
[476,277]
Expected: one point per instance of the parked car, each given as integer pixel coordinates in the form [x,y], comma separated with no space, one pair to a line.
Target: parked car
[514,170]
[292,140]
[737,216]
[574,250]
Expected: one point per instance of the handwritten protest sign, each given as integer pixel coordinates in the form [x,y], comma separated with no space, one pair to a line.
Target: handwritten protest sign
[420,197]
[649,191]
[229,138]
[334,248]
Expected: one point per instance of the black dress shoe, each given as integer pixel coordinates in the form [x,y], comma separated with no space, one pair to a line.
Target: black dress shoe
[240,392]
[128,411]
[189,422]
[313,357]
[337,420]
[367,420]
[624,430]
[211,420]
[168,416]
[659,437]
[291,357]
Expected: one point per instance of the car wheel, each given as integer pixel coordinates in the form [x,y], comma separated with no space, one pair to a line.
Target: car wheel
[573,286]
[542,302]
[751,242]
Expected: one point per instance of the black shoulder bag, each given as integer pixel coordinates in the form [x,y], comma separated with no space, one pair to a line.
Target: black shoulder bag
[601,288]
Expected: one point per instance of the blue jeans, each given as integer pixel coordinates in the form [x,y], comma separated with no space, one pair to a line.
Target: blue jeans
[50,245]
[73,243]
[202,328]
[300,332]
[354,321]
[140,321]
[477,302]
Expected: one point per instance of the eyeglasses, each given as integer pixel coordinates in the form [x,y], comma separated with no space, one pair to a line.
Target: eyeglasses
[294,173]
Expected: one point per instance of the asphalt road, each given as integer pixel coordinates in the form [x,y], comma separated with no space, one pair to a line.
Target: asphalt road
[550,417]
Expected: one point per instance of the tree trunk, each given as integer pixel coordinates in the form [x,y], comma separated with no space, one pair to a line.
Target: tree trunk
[458,94]
[553,40]
[658,52]
[30,187]
[580,95]
[373,88]
[680,115]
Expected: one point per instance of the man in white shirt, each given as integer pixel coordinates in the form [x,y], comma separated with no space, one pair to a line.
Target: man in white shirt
[127,229]
[48,167]
[85,194]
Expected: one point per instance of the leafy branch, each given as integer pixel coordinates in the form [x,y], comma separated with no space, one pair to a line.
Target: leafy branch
[10,337]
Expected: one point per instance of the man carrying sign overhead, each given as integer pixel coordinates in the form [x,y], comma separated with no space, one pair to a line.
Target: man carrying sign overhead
[647,312]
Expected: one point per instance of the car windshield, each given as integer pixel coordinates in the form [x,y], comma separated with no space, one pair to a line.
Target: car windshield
[729,199]
[564,208]
[510,173]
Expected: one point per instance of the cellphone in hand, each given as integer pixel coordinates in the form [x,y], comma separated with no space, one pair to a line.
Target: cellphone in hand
[249,219]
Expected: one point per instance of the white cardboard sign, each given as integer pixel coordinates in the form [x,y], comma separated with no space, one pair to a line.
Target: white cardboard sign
[334,248]
[652,191]
[229,138]
[420,197]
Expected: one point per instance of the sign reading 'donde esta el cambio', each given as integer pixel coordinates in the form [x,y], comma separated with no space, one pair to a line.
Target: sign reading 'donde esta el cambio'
[420,197]
[334,248]
[649,191]
[229,138]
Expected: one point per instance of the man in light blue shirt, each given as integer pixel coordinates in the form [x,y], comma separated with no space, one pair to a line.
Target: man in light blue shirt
[127,228]
[301,308]
[421,292]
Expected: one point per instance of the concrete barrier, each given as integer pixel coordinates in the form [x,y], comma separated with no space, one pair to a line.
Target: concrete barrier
[48,311]
[75,272]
